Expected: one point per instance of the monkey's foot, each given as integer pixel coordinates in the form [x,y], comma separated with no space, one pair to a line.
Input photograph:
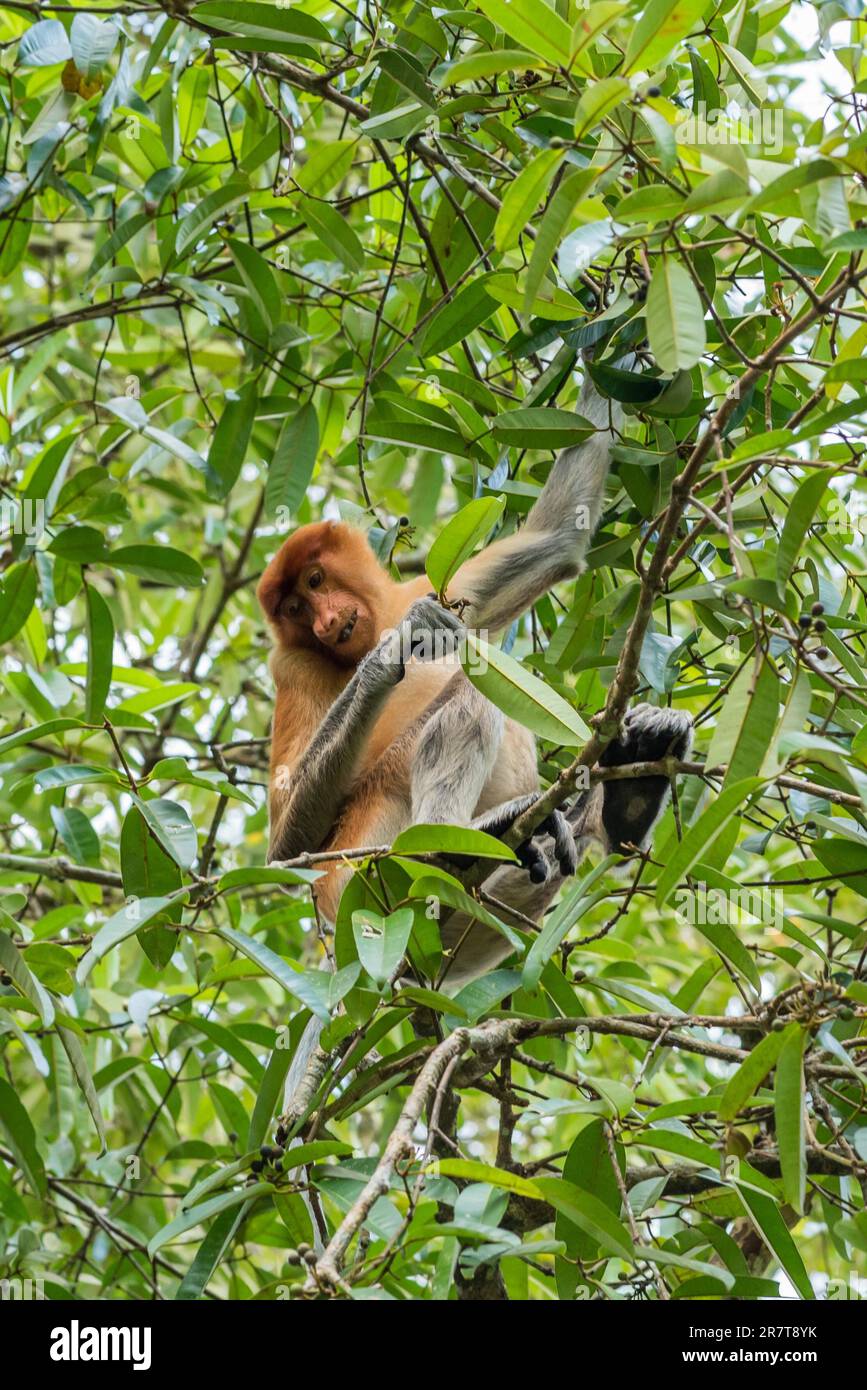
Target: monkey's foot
[649,734]
[531,855]
[631,807]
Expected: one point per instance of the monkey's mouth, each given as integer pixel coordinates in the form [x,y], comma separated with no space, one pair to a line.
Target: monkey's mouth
[347,630]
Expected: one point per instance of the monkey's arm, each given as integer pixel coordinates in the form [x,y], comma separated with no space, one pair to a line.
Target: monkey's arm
[510,575]
[323,776]
[302,816]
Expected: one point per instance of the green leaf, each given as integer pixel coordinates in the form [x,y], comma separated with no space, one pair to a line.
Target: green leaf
[549,303]
[260,27]
[21,1137]
[731,948]
[747,723]
[160,564]
[381,942]
[449,894]
[319,990]
[766,1217]
[292,464]
[790,1118]
[449,839]
[77,834]
[148,872]
[468,309]
[210,1253]
[800,511]
[675,318]
[259,279]
[83,544]
[542,427]
[750,78]
[124,924]
[589,1214]
[231,439]
[322,991]
[74,774]
[100,644]
[123,233]
[80,1070]
[192,102]
[44,44]
[12,963]
[476,65]
[333,230]
[403,72]
[37,732]
[679,858]
[204,1211]
[597,101]
[459,538]
[551,230]
[93,42]
[262,955]
[170,824]
[216,204]
[268,1095]
[134,415]
[523,195]
[243,878]
[535,25]
[752,1072]
[326,166]
[588,1167]
[418,435]
[521,695]
[293,1212]
[846,860]
[663,24]
[581,247]
[561,921]
[17,597]
[473,1171]
[662,1140]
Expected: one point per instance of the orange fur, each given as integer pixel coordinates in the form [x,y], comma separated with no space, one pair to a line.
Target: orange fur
[309,676]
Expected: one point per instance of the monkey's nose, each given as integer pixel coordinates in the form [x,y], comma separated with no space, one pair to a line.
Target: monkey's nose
[327,626]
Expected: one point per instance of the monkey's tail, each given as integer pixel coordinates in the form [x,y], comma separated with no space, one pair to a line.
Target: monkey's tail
[301,1085]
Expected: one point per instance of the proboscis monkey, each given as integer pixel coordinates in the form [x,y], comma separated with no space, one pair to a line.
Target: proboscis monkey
[376,729]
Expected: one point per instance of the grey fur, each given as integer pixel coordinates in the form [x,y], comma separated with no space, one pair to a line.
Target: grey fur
[454,757]
[325,773]
[554,540]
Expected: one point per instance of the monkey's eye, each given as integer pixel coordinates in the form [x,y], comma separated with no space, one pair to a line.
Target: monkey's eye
[315,579]
[292,607]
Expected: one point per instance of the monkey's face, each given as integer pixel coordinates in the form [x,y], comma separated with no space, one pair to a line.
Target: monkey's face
[325,590]
[337,618]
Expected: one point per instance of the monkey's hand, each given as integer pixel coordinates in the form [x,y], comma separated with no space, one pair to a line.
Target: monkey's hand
[427,633]
[531,853]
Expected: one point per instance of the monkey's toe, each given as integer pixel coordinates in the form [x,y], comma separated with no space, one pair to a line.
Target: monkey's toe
[648,734]
[531,857]
[565,851]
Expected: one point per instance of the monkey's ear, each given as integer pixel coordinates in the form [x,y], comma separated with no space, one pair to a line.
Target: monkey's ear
[270,591]
[277,581]
[282,573]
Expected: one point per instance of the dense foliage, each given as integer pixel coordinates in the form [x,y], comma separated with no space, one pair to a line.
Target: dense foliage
[263,263]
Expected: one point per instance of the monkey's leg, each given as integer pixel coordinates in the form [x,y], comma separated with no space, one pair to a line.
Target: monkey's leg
[454,756]
[618,816]
[477,948]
